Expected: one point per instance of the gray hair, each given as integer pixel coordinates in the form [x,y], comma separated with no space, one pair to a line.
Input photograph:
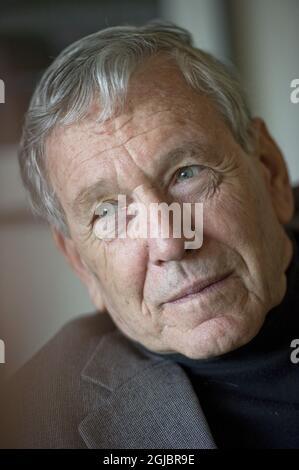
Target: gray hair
[100,65]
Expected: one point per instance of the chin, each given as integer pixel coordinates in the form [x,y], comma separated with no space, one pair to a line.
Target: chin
[218,336]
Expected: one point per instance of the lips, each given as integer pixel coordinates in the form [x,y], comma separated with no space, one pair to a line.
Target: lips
[198,287]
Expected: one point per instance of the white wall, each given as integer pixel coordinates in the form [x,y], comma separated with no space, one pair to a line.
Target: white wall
[205,19]
[267,38]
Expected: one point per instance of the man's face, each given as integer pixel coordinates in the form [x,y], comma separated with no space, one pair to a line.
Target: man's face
[243,241]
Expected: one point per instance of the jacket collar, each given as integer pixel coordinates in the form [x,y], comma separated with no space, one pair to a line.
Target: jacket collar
[140,401]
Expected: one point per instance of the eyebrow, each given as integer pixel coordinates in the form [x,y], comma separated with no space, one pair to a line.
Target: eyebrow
[87,196]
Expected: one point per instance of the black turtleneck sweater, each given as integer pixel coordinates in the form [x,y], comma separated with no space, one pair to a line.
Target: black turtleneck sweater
[250,396]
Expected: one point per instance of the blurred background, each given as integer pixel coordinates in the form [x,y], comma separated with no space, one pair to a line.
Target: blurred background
[38,292]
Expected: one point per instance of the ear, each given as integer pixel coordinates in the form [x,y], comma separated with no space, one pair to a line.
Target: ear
[274,171]
[67,247]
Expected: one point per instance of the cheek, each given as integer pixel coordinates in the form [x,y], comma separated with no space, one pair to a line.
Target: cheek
[121,268]
[230,215]
[240,216]
[231,218]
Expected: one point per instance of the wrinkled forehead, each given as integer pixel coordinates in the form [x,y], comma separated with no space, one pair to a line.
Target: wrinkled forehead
[160,110]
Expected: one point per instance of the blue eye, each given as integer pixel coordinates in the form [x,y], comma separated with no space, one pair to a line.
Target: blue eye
[187,172]
[104,223]
[106,209]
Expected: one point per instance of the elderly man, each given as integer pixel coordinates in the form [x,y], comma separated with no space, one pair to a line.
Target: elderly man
[190,346]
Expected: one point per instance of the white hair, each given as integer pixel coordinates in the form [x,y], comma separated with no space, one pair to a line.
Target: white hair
[100,66]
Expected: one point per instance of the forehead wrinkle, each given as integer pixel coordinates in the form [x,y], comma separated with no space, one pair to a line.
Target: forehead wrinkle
[146,116]
[161,161]
[143,124]
[117,146]
[110,126]
[82,199]
[98,189]
[121,134]
[95,191]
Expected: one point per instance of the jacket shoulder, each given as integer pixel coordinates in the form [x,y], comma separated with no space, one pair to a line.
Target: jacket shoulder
[44,401]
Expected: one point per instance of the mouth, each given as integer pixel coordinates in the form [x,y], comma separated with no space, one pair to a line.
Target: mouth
[199,288]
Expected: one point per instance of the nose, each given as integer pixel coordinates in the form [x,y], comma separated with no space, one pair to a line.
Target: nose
[163,242]
[165,249]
